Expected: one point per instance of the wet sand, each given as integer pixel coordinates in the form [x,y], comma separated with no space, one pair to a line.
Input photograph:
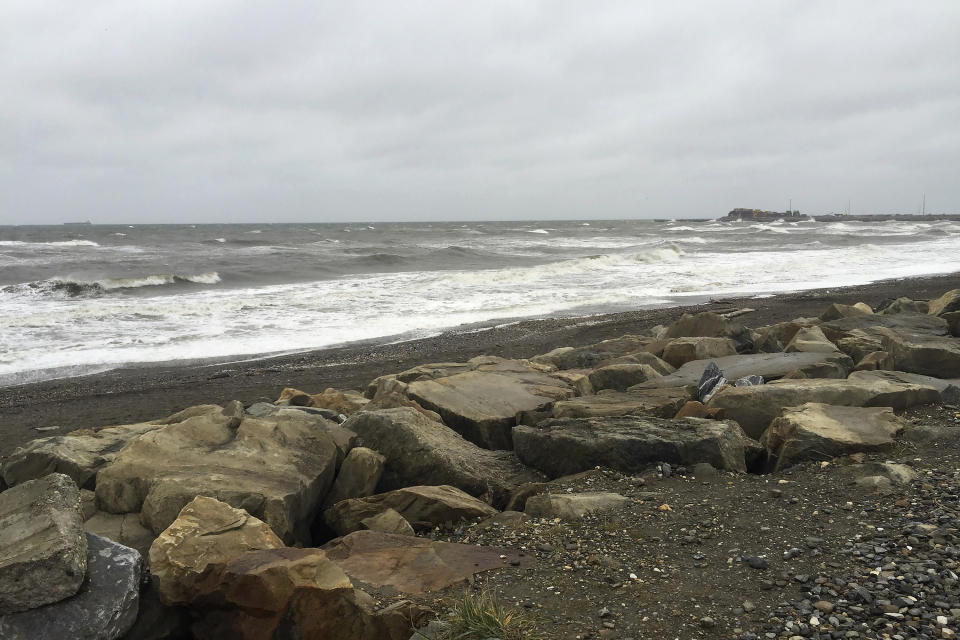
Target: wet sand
[144,393]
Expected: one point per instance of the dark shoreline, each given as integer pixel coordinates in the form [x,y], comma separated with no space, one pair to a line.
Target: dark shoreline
[137,394]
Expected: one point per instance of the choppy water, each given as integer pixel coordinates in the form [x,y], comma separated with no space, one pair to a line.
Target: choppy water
[81,299]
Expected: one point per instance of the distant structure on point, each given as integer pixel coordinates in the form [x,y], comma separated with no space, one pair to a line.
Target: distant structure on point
[758,215]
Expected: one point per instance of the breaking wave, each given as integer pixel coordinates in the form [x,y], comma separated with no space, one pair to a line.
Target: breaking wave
[74,288]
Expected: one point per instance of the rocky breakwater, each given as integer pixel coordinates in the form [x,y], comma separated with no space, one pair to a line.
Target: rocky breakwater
[317,515]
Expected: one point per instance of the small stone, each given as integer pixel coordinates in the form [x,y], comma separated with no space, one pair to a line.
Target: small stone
[756,562]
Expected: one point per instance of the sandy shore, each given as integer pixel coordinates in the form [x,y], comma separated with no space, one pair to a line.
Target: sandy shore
[138,394]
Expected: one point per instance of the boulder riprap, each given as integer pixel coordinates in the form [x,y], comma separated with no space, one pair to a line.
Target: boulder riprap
[619,377]
[78,455]
[630,443]
[423,507]
[754,408]
[421,451]
[43,549]
[821,431]
[769,365]
[710,325]
[947,303]
[811,339]
[482,404]
[187,559]
[414,565]
[277,468]
[104,608]
[680,351]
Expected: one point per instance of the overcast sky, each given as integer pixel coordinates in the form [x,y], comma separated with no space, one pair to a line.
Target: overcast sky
[319,111]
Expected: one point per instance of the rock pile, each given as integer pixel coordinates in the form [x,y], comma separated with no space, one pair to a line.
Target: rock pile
[289,519]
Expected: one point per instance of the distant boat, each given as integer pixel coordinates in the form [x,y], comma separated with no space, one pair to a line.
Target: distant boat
[85,223]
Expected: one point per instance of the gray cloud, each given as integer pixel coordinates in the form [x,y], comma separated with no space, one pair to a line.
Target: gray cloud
[250,111]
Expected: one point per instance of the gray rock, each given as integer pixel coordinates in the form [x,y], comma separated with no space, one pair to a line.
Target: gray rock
[754,408]
[660,403]
[421,451]
[680,351]
[946,388]
[710,325]
[909,324]
[931,356]
[619,377]
[43,550]
[572,506]
[769,365]
[820,431]
[122,528]
[105,608]
[630,444]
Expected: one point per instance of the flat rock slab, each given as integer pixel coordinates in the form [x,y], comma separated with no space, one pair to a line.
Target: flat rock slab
[768,365]
[572,506]
[423,507]
[277,468]
[565,446]
[43,549]
[930,356]
[908,324]
[105,608]
[754,408]
[949,389]
[421,451]
[414,565]
[659,403]
[816,431]
[483,405]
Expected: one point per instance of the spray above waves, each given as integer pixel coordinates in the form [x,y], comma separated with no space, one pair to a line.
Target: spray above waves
[79,288]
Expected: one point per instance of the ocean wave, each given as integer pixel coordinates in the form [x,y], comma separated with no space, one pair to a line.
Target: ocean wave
[540,231]
[574,266]
[73,288]
[58,243]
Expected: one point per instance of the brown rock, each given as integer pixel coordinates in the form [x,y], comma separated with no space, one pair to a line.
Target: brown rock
[345,402]
[358,477]
[696,409]
[874,361]
[188,558]
[414,565]
[424,507]
[619,377]
[947,303]
[680,351]
[388,521]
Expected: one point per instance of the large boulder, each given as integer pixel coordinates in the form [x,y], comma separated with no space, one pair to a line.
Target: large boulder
[358,477]
[906,305]
[78,455]
[43,549]
[597,355]
[755,407]
[815,431]
[659,403]
[875,361]
[188,558]
[277,468]
[345,402]
[297,593]
[483,404]
[811,339]
[908,324]
[104,608]
[415,565]
[768,365]
[948,389]
[421,451]
[618,377]
[710,325]
[630,444]
[930,356]
[947,303]
[680,351]
[423,507]
[836,311]
[122,528]
[572,506]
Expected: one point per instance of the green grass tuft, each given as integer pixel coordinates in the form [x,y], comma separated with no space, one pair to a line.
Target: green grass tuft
[481,616]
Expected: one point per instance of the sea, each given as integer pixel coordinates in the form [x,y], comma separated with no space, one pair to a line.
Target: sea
[80,299]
